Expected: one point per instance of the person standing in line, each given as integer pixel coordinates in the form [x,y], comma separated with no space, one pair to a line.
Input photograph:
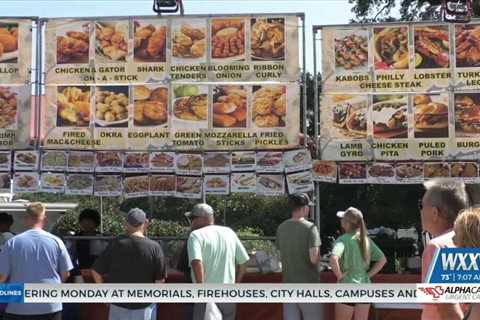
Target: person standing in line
[299,243]
[87,251]
[467,235]
[34,256]
[439,207]
[352,255]
[6,222]
[132,259]
[213,252]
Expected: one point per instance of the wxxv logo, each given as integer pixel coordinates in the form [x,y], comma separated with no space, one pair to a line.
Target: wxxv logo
[452,261]
[456,265]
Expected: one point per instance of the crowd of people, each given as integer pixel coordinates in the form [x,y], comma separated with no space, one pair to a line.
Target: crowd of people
[214,254]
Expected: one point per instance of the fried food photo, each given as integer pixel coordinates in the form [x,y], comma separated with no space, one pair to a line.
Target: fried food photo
[149,42]
[353,171]
[271,182]
[467,114]
[109,159]
[267,39]
[190,162]
[430,117]
[190,104]
[112,40]
[73,46]
[464,170]
[390,119]
[216,160]
[409,170]
[26,180]
[351,50]
[230,107]
[162,183]
[436,170]
[150,106]
[432,47]
[390,46]
[162,160]
[136,160]
[381,171]
[73,107]
[53,180]
[111,106]
[228,38]
[189,42]
[216,182]
[8,108]
[325,168]
[8,42]
[467,45]
[138,184]
[189,184]
[269,105]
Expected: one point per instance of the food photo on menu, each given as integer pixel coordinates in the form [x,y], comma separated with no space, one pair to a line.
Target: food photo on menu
[269,106]
[111,106]
[81,161]
[390,48]
[190,106]
[353,171]
[5,161]
[351,50]
[150,41]
[267,39]
[324,171]
[108,185]
[5,182]
[270,184]
[111,41]
[73,106]
[347,118]
[409,171]
[150,106]
[136,186]
[162,161]
[9,104]
[163,184]
[295,160]
[52,182]
[271,161]
[464,170]
[467,45]
[9,42]
[25,182]
[217,184]
[300,182]
[216,162]
[436,170]
[73,42]
[79,184]
[189,163]
[54,160]
[189,187]
[230,107]
[189,40]
[136,161]
[467,115]
[432,47]
[26,160]
[228,39]
[381,172]
[243,161]
[431,116]
[109,161]
[245,182]
[389,116]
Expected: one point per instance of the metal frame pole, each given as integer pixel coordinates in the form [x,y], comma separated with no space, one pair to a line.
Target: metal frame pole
[304,80]
[316,111]
[38,83]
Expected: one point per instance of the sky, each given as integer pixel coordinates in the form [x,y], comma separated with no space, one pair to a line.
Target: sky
[317,12]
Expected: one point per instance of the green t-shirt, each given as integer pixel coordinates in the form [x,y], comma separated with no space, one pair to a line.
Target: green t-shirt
[347,248]
[294,240]
[219,249]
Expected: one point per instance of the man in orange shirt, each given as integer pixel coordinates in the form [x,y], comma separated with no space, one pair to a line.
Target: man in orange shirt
[439,207]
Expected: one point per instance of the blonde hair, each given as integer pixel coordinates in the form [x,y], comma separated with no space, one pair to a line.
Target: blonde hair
[467,228]
[354,218]
[36,210]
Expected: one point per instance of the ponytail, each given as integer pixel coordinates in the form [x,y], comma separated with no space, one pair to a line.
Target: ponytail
[364,242]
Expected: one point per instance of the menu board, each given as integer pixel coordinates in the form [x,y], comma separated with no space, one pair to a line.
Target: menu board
[400,92]
[15,78]
[153,49]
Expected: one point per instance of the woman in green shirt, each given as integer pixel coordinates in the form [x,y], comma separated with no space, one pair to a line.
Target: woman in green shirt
[351,258]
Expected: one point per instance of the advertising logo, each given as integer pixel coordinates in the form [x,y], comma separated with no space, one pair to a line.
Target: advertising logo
[436,292]
[455,265]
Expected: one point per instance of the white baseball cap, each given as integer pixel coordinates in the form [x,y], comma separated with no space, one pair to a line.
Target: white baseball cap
[352,210]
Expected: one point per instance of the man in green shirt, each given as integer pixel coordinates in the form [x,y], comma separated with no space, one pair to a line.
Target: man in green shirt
[299,243]
[213,253]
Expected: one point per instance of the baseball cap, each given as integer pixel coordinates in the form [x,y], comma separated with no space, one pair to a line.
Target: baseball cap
[136,217]
[352,210]
[200,210]
[300,200]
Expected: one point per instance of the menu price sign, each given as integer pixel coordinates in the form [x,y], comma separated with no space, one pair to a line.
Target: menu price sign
[177,117]
[150,49]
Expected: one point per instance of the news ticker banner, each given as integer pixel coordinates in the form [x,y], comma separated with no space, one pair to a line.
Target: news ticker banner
[404,57]
[15,83]
[239,293]
[189,48]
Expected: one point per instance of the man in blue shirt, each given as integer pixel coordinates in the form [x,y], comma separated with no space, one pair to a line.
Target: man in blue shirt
[34,256]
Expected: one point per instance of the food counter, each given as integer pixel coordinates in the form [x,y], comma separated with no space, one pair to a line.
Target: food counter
[264,311]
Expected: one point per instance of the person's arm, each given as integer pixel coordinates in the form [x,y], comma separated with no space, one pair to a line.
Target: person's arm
[241,259]
[314,254]
[335,265]
[64,262]
[242,269]
[97,277]
[377,266]
[449,311]
[161,270]
[378,256]
[198,272]
[314,245]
